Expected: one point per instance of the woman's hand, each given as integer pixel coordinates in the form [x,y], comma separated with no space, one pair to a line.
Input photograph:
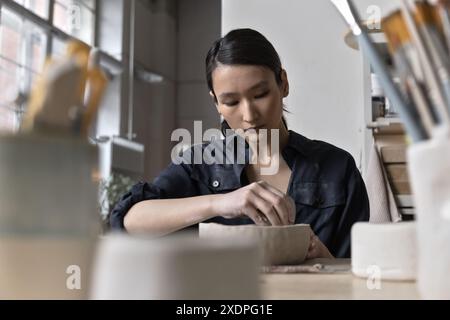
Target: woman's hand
[317,249]
[261,202]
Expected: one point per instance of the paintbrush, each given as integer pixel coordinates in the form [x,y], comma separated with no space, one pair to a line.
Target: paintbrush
[395,30]
[442,8]
[430,57]
[399,45]
[413,126]
[429,23]
[418,94]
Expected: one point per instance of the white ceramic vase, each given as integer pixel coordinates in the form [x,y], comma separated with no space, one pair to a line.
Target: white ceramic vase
[429,170]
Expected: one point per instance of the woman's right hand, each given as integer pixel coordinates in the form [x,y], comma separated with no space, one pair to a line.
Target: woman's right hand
[261,202]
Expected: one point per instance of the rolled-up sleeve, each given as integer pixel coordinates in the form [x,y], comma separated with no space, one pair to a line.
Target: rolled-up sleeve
[174,182]
[356,209]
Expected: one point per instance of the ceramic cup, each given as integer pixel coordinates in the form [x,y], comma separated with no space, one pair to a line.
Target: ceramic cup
[387,250]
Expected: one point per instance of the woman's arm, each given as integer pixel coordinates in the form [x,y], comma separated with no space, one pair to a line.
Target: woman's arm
[163,216]
[261,202]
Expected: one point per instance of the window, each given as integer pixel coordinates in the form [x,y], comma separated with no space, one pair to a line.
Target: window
[76,17]
[22,54]
[39,7]
[27,35]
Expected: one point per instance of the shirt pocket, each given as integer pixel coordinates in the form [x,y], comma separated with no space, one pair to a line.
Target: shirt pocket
[318,202]
[319,195]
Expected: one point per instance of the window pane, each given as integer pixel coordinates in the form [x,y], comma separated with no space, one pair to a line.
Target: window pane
[22,41]
[39,7]
[8,122]
[9,82]
[89,3]
[22,54]
[10,37]
[76,18]
[58,47]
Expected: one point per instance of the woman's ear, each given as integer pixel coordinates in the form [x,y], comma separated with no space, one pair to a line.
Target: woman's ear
[215,101]
[284,83]
[213,97]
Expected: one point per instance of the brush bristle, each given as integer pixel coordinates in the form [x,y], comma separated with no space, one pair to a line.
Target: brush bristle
[425,14]
[396,31]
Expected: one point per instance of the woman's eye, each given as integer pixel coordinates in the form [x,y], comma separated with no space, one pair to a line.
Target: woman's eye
[262,95]
[231,103]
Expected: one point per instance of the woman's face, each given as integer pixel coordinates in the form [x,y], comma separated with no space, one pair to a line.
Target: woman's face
[249,96]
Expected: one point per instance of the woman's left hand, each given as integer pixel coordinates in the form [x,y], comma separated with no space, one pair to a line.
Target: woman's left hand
[317,249]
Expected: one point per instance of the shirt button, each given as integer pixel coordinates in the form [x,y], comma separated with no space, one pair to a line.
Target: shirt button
[215,183]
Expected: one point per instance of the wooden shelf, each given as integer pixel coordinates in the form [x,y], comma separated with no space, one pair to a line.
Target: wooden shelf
[377,36]
[387,125]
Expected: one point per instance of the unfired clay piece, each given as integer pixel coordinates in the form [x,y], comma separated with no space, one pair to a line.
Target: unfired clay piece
[280,245]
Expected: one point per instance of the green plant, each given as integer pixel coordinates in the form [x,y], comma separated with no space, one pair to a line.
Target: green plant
[111,190]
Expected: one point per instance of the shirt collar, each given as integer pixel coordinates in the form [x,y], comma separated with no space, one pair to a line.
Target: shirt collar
[299,143]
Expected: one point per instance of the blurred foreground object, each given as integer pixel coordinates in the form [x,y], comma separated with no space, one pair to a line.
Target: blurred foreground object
[387,250]
[66,98]
[430,180]
[48,216]
[419,43]
[176,267]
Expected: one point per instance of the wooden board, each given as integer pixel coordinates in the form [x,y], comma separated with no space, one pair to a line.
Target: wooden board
[401,187]
[399,178]
[404,201]
[394,154]
[408,211]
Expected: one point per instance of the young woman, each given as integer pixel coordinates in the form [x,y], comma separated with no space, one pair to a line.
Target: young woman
[316,183]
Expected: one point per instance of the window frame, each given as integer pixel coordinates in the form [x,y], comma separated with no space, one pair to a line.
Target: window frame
[47,24]
[51,31]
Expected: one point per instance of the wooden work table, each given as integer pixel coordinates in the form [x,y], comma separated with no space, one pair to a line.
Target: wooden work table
[335,282]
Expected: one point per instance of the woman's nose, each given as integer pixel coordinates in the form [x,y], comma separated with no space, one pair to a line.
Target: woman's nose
[250,112]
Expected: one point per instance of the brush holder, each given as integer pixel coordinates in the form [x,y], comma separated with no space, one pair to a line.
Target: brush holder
[49,216]
[429,171]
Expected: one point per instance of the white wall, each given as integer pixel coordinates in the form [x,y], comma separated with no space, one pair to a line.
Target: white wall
[326,77]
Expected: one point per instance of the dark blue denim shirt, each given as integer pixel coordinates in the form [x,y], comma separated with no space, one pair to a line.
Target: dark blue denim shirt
[325,184]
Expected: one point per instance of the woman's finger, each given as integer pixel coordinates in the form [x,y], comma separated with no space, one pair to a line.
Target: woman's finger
[287,201]
[257,217]
[266,208]
[278,202]
[293,210]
